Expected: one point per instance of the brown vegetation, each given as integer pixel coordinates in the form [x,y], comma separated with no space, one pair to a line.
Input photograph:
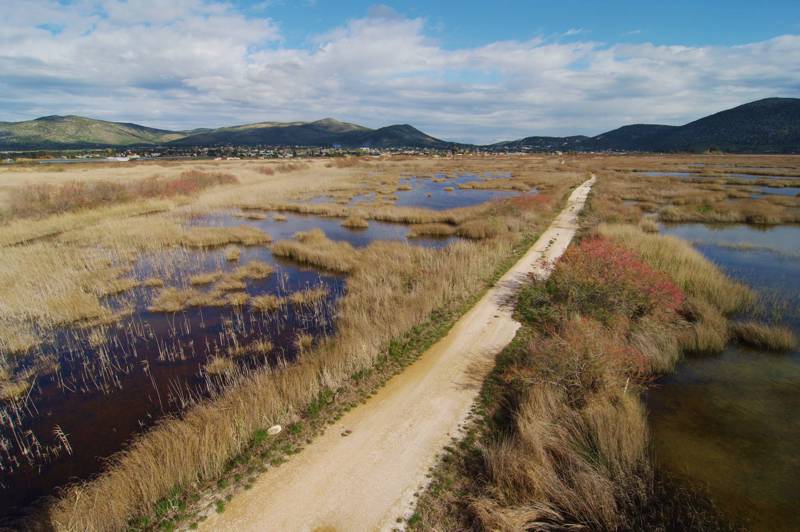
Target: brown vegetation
[44,199]
[762,336]
[565,443]
[394,288]
[434,230]
[355,222]
[313,247]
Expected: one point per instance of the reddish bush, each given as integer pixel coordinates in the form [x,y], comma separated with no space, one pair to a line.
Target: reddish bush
[43,199]
[527,201]
[605,281]
[600,273]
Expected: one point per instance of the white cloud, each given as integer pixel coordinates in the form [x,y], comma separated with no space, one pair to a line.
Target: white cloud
[189,63]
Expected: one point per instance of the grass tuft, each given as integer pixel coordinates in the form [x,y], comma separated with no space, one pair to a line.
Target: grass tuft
[763,336]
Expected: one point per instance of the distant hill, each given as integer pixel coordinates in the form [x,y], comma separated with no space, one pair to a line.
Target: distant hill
[64,132]
[78,132]
[771,125]
[327,132]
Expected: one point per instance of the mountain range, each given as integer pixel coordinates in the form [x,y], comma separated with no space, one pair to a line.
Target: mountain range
[770,125]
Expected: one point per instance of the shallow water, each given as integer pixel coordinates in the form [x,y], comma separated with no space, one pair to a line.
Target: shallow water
[696,175]
[148,365]
[428,194]
[151,363]
[731,422]
[332,227]
[671,174]
[757,176]
[776,191]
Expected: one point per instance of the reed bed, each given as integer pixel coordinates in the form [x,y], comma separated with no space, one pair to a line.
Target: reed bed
[355,222]
[313,247]
[695,274]
[46,199]
[435,230]
[392,288]
[763,336]
[563,440]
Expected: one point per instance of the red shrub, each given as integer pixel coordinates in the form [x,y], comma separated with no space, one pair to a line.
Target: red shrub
[34,200]
[603,277]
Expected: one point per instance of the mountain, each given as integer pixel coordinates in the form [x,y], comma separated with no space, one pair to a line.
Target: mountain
[771,125]
[576,143]
[77,132]
[327,132]
[637,137]
[64,132]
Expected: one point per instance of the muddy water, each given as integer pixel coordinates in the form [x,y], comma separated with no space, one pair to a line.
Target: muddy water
[102,389]
[731,422]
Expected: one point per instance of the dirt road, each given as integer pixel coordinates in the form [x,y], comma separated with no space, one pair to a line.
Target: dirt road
[367,479]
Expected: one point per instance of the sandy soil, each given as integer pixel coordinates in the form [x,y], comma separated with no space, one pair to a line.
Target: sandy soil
[366,479]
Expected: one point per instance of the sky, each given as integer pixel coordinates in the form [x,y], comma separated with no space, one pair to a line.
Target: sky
[462,71]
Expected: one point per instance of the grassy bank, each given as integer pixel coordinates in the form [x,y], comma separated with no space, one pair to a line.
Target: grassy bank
[560,438]
[392,289]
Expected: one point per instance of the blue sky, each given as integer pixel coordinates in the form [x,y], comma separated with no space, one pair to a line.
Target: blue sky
[460,24]
[475,72]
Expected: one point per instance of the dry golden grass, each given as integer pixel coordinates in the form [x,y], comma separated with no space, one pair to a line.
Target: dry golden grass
[496,184]
[252,215]
[303,342]
[172,299]
[308,296]
[480,228]
[695,274]
[313,247]
[21,231]
[208,237]
[13,390]
[232,253]
[434,230]
[255,269]
[225,293]
[205,278]
[762,336]
[568,467]
[564,442]
[16,339]
[220,366]
[267,302]
[395,288]
[648,225]
[229,284]
[355,222]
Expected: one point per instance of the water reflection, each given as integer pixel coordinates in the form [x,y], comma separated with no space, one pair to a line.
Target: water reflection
[730,421]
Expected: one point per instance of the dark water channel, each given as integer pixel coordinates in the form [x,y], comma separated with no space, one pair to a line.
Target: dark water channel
[731,422]
[107,384]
